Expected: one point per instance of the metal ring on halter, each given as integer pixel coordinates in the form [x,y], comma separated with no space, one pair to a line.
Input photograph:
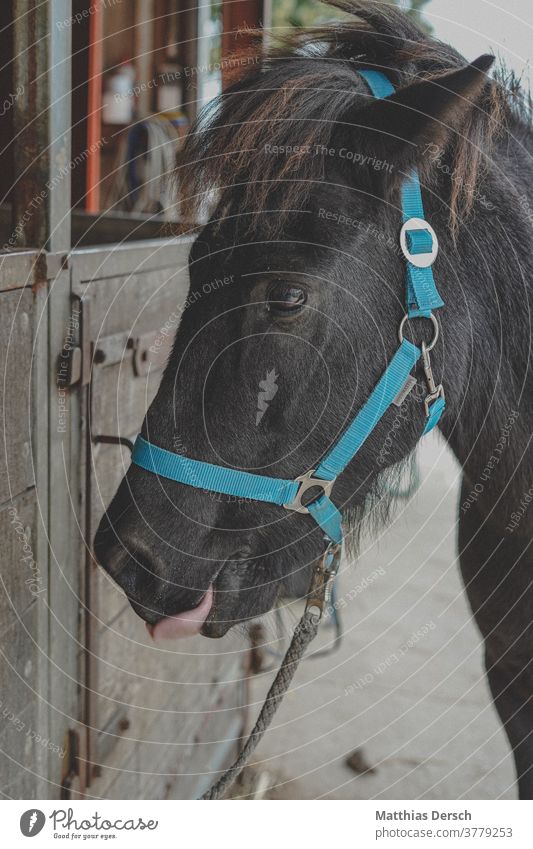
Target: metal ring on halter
[307,482]
[430,345]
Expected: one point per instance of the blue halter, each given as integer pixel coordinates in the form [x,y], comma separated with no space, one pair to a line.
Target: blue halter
[419,245]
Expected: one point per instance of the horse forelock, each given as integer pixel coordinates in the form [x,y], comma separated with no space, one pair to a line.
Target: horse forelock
[292,99]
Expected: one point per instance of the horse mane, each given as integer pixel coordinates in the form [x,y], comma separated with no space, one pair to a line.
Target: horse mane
[292,96]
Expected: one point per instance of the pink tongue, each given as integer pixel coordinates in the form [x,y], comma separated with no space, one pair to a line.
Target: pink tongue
[184,624]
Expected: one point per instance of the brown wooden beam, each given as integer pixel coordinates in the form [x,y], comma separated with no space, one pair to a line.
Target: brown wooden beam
[238,18]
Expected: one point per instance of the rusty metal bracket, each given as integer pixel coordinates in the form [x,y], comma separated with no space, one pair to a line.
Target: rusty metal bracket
[150,351]
[72,763]
[55,263]
[104,439]
[108,738]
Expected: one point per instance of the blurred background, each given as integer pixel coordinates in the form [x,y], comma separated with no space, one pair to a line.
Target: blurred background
[142,70]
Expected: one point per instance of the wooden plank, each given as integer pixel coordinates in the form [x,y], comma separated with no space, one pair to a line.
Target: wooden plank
[176,770]
[23,579]
[92,264]
[173,754]
[15,745]
[23,763]
[137,677]
[17,269]
[119,401]
[23,520]
[16,310]
[116,227]
[138,303]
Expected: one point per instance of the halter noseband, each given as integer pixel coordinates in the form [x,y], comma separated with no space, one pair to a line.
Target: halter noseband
[419,245]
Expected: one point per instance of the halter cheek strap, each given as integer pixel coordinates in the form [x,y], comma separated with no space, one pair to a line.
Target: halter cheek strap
[419,245]
[417,238]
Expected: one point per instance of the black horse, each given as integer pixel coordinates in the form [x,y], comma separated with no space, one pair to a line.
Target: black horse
[302,169]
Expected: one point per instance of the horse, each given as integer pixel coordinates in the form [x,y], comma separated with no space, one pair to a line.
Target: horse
[298,170]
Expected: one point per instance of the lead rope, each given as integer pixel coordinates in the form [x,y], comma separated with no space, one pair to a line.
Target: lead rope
[304,633]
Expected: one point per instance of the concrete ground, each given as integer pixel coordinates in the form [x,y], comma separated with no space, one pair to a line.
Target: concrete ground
[407,686]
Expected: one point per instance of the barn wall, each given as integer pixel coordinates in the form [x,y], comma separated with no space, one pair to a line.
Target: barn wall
[90,706]
[155,718]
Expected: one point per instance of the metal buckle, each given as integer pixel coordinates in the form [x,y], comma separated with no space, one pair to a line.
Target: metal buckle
[419,260]
[435,391]
[306,482]
[433,396]
[435,329]
[324,573]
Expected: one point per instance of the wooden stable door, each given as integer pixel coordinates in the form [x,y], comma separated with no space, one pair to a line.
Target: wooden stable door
[156,719]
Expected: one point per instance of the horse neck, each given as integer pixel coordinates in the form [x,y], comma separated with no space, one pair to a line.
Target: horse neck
[488,326]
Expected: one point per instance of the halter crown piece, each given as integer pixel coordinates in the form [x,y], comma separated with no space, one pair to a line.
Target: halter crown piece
[419,245]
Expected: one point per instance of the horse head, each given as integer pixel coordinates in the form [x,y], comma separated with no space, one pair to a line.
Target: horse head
[296,295]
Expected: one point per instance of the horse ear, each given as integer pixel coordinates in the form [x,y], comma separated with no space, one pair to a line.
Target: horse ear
[423,113]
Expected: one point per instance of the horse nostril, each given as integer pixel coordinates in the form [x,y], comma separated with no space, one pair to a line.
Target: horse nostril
[132,570]
[151,587]
[106,544]
[135,577]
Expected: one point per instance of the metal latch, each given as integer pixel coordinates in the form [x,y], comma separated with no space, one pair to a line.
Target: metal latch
[74,361]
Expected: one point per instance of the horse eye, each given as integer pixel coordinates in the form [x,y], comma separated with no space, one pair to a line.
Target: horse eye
[285,299]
